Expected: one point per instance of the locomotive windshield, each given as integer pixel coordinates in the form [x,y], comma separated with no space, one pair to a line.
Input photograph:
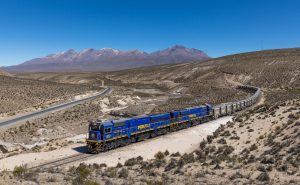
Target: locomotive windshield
[94,127]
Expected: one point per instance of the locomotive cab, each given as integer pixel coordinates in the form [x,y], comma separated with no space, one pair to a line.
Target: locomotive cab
[95,130]
[100,130]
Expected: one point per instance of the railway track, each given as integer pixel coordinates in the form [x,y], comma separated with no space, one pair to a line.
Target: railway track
[63,161]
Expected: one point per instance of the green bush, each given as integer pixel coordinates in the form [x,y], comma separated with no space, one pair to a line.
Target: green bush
[23,172]
[20,171]
[91,183]
[82,172]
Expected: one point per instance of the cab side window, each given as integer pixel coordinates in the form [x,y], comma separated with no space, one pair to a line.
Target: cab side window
[107,130]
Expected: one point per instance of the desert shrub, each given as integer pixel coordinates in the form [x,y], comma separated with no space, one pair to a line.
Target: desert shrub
[261,168]
[177,154]
[151,173]
[264,176]
[119,165]
[261,137]
[96,166]
[108,182]
[91,183]
[82,172]
[238,119]
[251,159]
[123,173]
[282,168]
[167,153]
[180,163]
[103,165]
[228,150]
[25,173]
[52,179]
[234,138]
[20,171]
[203,144]
[221,141]
[250,130]
[237,175]
[267,160]
[253,147]
[111,172]
[158,163]
[225,133]
[171,165]
[188,158]
[140,158]
[159,156]
[131,162]
[209,138]
[154,182]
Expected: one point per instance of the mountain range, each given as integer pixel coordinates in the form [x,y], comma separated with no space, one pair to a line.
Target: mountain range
[108,59]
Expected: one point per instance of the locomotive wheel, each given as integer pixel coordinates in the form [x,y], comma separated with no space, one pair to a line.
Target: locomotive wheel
[153,134]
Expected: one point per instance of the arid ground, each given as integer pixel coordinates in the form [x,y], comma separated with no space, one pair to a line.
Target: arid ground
[261,145]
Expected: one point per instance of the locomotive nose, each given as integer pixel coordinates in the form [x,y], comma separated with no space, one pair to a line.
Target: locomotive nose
[94,135]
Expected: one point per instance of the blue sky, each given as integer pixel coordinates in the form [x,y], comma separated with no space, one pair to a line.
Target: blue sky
[35,28]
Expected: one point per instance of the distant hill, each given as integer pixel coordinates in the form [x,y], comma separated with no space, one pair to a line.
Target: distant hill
[109,59]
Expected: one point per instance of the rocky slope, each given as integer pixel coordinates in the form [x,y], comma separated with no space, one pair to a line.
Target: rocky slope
[109,59]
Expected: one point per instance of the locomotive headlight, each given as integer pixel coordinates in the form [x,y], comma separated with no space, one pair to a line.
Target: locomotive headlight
[93,136]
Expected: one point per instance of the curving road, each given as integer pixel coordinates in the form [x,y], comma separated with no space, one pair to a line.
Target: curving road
[52,109]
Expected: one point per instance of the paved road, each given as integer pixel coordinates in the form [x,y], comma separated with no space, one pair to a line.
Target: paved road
[52,109]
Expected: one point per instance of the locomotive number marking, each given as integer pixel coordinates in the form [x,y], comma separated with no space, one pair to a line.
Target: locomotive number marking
[192,115]
[143,126]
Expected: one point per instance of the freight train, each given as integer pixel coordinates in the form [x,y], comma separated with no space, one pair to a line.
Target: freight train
[112,134]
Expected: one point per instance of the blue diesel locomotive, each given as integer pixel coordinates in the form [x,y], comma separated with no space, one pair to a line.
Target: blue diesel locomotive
[111,134]
[107,135]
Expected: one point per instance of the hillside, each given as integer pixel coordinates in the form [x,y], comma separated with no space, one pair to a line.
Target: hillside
[22,95]
[4,73]
[277,72]
[107,59]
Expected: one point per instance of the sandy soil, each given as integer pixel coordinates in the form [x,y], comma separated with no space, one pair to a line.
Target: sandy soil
[184,141]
